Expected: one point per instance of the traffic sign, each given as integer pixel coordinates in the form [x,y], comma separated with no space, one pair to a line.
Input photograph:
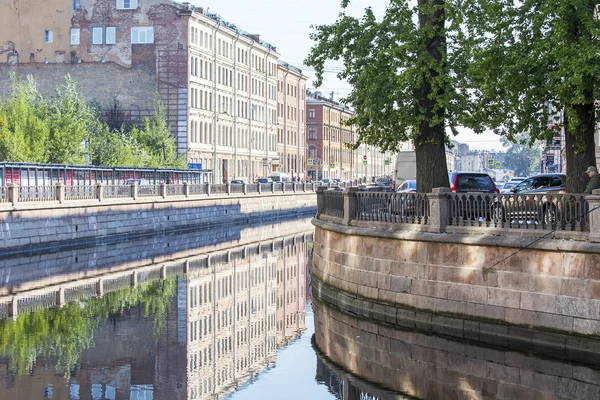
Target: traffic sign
[365,157]
[498,165]
[386,162]
[365,162]
[332,165]
[490,162]
[310,161]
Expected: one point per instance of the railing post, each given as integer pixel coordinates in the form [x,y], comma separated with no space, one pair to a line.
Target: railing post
[186,189]
[60,192]
[294,183]
[13,309]
[13,193]
[60,297]
[228,188]
[244,188]
[350,205]
[283,187]
[438,206]
[134,191]
[99,191]
[304,186]
[320,201]
[208,189]
[100,288]
[272,187]
[594,202]
[163,190]
[258,188]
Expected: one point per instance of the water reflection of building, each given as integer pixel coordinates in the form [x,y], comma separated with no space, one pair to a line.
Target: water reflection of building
[240,310]
[221,328]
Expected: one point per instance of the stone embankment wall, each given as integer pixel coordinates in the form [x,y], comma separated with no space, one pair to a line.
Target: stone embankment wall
[435,367]
[547,295]
[50,223]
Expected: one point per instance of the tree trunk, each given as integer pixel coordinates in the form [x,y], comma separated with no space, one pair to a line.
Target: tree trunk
[430,150]
[580,147]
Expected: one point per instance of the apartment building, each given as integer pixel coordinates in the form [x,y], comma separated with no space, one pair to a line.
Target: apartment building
[218,83]
[291,120]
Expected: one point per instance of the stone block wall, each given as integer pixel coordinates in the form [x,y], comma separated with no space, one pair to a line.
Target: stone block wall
[445,275]
[42,224]
[434,367]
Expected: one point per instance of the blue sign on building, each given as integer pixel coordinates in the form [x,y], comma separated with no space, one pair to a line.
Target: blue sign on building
[195,166]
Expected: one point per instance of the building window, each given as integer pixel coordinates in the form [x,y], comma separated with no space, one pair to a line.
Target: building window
[126,4]
[312,132]
[76,4]
[311,114]
[75,36]
[97,35]
[48,36]
[142,34]
[111,35]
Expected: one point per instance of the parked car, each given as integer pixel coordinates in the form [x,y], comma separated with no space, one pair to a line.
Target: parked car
[239,182]
[409,186]
[264,180]
[507,186]
[138,181]
[536,202]
[473,204]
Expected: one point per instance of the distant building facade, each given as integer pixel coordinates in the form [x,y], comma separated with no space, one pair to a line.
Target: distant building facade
[291,120]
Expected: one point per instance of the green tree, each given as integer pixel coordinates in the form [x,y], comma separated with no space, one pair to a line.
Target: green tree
[522,158]
[534,62]
[407,73]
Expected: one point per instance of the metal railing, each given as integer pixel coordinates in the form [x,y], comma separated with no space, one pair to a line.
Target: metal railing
[117,191]
[36,193]
[333,203]
[16,194]
[563,212]
[568,212]
[83,192]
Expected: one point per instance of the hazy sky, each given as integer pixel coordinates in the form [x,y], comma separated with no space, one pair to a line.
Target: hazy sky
[286,25]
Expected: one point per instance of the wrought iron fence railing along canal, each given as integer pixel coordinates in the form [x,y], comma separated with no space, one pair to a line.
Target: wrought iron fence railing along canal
[563,212]
[19,194]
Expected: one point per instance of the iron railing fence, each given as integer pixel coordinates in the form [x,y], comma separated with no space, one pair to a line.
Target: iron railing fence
[265,187]
[566,212]
[218,189]
[117,191]
[252,188]
[199,189]
[236,188]
[36,193]
[289,186]
[81,192]
[175,190]
[333,203]
[149,190]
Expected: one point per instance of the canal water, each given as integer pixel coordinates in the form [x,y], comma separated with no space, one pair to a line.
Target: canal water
[227,314]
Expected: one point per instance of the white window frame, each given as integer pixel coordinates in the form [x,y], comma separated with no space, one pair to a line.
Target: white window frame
[75,36]
[142,35]
[121,5]
[97,35]
[111,35]
[48,36]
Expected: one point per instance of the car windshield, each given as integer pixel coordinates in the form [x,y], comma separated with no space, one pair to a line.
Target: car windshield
[508,185]
[470,183]
[533,183]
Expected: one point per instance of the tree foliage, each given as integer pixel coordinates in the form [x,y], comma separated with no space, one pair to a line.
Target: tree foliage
[61,334]
[530,55]
[523,158]
[407,73]
[34,128]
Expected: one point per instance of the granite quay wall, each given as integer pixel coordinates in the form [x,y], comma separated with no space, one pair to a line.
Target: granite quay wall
[53,223]
[427,366]
[472,285]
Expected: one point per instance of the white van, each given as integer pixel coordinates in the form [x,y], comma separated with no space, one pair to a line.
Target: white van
[279,177]
[405,168]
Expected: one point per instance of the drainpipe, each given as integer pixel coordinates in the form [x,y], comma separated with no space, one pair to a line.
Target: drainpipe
[298,159]
[267,111]
[235,110]
[251,137]
[214,103]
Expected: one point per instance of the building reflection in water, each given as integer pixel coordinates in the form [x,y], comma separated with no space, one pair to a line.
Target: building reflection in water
[434,367]
[224,317]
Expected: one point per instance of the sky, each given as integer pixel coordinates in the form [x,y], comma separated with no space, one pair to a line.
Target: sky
[285,24]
